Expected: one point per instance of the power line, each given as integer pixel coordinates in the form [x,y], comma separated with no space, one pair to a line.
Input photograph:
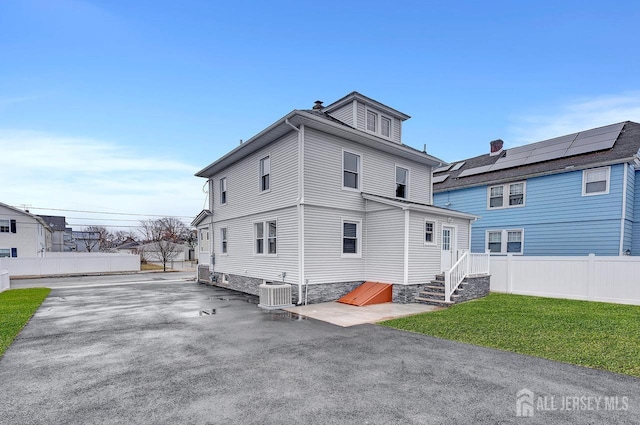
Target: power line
[111,213]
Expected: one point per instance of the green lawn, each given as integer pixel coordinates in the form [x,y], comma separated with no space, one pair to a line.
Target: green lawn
[597,335]
[16,308]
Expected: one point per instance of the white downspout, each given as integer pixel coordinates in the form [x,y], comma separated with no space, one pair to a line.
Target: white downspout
[624,207]
[406,247]
[300,207]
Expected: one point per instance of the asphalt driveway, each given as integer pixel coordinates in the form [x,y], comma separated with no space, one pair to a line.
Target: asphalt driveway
[147,354]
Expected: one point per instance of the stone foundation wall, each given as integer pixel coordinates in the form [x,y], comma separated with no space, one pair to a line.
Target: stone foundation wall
[475,287]
[405,294]
[319,293]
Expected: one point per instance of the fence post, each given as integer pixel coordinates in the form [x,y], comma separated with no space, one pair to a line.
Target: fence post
[509,274]
[591,271]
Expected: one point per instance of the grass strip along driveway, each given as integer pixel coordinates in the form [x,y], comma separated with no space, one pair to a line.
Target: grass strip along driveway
[16,308]
[592,334]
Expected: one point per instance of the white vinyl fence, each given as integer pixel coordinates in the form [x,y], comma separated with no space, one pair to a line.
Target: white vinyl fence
[63,263]
[608,279]
[4,280]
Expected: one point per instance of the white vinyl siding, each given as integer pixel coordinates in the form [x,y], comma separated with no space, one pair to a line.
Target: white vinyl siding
[344,114]
[241,259]
[244,176]
[325,152]
[324,261]
[507,195]
[596,181]
[384,244]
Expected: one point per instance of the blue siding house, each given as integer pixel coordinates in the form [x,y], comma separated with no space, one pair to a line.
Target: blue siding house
[571,195]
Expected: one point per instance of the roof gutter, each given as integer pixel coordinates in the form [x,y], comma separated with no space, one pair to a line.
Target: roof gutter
[421,208]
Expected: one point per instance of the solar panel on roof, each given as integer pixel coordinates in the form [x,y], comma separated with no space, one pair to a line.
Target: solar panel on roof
[458,166]
[441,169]
[473,171]
[440,179]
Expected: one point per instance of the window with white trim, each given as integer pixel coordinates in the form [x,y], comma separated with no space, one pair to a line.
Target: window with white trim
[402,182]
[596,181]
[385,126]
[223,191]
[5,253]
[351,170]
[372,121]
[223,240]
[5,226]
[429,227]
[266,237]
[378,124]
[507,195]
[265,172]
[505,241]
[351,242]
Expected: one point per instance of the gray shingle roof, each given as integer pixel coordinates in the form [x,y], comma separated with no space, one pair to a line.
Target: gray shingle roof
[625,148]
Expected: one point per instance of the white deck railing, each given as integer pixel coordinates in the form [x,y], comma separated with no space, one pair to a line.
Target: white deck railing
[467,264]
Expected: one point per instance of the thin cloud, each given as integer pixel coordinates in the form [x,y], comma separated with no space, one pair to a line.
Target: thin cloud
[50,171]
[581,114]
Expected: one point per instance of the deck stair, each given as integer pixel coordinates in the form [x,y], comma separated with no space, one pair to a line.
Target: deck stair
[433,293]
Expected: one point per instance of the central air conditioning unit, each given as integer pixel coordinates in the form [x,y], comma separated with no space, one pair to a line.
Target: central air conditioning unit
[275,296]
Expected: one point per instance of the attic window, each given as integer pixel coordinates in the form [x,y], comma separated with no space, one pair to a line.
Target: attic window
[378,124]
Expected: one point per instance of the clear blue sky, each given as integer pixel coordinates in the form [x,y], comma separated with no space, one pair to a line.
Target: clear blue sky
[114,105]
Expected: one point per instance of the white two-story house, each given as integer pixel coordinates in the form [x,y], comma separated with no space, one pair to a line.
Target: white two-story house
[22,234]
[329,197]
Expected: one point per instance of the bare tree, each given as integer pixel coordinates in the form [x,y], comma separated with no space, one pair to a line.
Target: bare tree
[164,235]
[99,239]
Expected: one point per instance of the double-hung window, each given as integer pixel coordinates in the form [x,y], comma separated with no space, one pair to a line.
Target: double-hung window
[429,227]
[5,226]
[596,181]
[265,172]
[351,170]
[378,124]
[507,195]
[5,253]
[351,238]
[223,191]
[223,240]
[505,241]
[266,237]
[402,182]
[372,121]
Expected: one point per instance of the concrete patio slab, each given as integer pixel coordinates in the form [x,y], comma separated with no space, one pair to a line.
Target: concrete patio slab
[348,315]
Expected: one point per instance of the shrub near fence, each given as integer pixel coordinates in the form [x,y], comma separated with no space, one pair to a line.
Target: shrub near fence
[70,263]
[608,279]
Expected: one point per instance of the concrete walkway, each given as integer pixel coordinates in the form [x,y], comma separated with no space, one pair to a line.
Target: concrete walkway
[185,353]
[348,315]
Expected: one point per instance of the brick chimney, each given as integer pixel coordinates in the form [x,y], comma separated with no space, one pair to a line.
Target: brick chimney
[496,147]
[318,105]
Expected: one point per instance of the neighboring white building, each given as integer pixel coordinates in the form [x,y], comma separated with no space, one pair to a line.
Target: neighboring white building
[22,234]
[329,196]
[203,224]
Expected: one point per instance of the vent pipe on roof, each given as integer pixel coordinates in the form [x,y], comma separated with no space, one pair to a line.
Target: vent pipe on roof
[318,105]
[496,147]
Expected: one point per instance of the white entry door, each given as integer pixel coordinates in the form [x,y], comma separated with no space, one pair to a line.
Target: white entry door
[448,242]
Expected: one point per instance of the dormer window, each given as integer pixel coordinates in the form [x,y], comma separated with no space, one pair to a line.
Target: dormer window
[378,124]
[372,121]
